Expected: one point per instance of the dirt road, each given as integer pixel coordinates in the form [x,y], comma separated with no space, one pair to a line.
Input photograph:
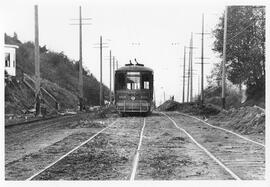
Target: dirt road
[165,152]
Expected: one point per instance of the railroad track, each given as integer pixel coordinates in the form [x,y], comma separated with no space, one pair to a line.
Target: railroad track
[68,153]
[136,158]
[30,130]
[205,150]
[135,163]
[40,120]
[225,160]
[223,129]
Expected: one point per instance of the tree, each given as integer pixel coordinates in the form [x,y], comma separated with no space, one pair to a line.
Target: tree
[245,46]
[215,77]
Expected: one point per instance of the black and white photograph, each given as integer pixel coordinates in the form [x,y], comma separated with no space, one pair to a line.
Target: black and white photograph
[139,93]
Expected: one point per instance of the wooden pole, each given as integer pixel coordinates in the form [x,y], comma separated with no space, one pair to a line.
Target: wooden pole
[184,69]
[202,93]
[80,62]
[100,84]
[110,77]
[164,95]
[224,59]
[114,76]
[198,86]
[191,69]
[37,64]
[188,75]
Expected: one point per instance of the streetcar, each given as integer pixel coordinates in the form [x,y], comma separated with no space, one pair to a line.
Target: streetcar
[133,89]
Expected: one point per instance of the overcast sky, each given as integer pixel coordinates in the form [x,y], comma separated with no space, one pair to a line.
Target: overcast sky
[154,25]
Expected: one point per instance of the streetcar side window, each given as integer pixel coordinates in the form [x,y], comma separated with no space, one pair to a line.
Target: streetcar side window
[120,81]
[146,79]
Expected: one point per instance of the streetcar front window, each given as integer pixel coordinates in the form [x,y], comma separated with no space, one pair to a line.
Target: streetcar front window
[133,80]
[146,85]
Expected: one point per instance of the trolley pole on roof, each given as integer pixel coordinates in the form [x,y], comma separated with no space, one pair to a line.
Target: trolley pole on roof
[100,82]
[184,69]
[224,58]
[110,77]
[37,64]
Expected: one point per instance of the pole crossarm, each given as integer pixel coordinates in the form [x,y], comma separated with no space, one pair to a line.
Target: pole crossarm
[203,58]
[204,33]
[81,24]
[203,63]
[81,19]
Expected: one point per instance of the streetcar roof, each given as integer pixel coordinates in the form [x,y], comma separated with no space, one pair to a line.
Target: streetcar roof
[134,68]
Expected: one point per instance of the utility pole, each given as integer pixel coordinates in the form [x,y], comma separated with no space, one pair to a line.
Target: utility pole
[80,61]
[202,93]
[37,64]
[101,93]
[80,85]
[116,64]
[224,58]
[188,76]
[202,61]
[183,94]
[198,86]
[110,77]
[101,102]
[164,95]
[113,75]
[184,69]
[154,98]
[191,69]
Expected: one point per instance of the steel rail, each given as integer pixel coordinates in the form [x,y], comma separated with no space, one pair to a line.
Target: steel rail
[247,139]
[136,158]
[39,120]
[71,151]
[204,149]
